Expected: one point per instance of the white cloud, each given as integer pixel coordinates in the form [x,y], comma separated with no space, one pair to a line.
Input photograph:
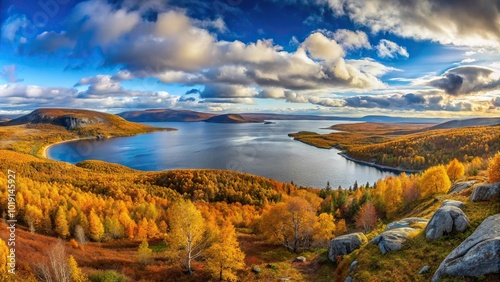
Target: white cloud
[448,22]
[389,49]
[352,39]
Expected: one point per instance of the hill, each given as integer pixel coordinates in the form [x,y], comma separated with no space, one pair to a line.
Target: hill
[31,133]
[232,118]
[162,115]
[467,123]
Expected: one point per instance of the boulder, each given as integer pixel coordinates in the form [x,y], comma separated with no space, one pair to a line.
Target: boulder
[348,279]
[477,255]
[453,203]
[424,269]
[460,186]
[405,223]
[393,240]
[345,244]
[256,269]
[300,259]
[485,192]
[446,219]
[353,265]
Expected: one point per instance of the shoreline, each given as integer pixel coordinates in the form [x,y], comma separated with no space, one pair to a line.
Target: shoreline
[381,167]
[46,148]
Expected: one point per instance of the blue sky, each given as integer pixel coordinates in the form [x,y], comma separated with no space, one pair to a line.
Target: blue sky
[328,57]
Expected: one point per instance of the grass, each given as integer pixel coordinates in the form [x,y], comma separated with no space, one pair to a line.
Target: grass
[417,252]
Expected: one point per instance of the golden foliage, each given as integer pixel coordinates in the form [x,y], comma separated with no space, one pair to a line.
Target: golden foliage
[455,170]
[225,256]
[75,272]
[434,180]
[494,169]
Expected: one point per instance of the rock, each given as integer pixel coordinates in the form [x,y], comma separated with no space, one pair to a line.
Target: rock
[348,279]
[300,259]
[393,240]
[424,269]
[477,255]
[285,278]
[345,244]
[460,186]
[453,203]
[405,223]
[485,192]
[353,265]
[446,219]
[256,269]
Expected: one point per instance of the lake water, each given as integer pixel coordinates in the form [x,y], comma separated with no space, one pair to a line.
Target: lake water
[256,148]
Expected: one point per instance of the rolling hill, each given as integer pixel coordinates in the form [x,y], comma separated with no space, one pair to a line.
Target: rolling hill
[162,115]
[232,118]
[467,123]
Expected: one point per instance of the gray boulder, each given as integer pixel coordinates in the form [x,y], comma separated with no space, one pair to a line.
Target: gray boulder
[393,240]
[348,279]
[300,259]
[345,244]
[446,219]
[460,186]
[485,192]
[477,255]
[353,265]
[424,269]
[453,203]
[405,222]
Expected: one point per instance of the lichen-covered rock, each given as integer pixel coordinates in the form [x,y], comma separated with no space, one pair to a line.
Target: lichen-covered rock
[345,244]
[446,219]
[393,240]
[460,186]
[405,222]
[477,255]
[485,192]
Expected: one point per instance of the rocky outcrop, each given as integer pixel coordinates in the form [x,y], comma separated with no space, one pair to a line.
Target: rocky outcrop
[460,186]
[485,192]
[453,203]
[406,222]
[393,240]
[345,244]
[477,255]
[70,119]
[449,217]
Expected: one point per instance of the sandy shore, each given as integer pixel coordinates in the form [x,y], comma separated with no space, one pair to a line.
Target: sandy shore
[44,153]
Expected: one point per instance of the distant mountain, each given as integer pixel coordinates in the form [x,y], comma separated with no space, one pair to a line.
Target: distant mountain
[84,121]
[159,115]
[162,115]
[467,123]
[391,119]
[232,118]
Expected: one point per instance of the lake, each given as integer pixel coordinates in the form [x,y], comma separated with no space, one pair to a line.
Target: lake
[256,148]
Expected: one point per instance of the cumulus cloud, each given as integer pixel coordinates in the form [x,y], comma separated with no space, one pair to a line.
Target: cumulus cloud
[100,84]
[389,49]
[459,22]
[227,91]
[178,49]
[352,39]
[49,42]
[466,80]
[19,96]
[8,73]
[496,102]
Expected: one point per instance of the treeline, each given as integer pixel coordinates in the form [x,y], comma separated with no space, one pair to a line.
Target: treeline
[426,149]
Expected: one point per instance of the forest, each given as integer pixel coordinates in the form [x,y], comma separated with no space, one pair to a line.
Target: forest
[410,147]
[98,221]
[100,203]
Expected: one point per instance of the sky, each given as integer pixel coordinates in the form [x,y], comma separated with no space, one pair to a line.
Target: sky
[426,58]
